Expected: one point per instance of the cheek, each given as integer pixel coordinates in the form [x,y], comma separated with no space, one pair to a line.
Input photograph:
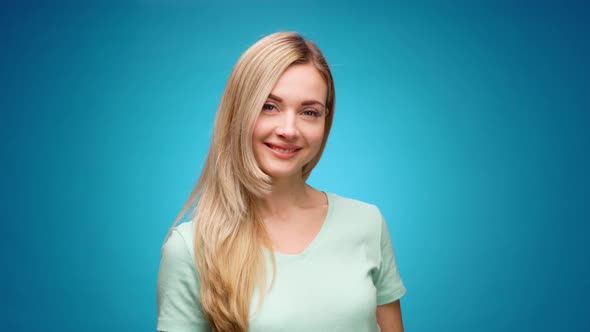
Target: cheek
[319,137]
[260,129]
[317,134]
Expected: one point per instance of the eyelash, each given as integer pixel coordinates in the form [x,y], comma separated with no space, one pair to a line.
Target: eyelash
[314,113]
[271,107]
[268,107]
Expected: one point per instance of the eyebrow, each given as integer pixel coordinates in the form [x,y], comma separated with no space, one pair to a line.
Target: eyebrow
[304,103]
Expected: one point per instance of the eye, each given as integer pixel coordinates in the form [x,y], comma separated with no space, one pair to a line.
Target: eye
[312,113]
[268,107]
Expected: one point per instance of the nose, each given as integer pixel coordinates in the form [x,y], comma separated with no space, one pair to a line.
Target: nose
[287,127]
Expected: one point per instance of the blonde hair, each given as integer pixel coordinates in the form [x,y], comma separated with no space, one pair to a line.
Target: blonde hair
[229,236]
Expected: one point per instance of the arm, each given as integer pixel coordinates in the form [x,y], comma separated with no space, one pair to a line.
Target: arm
[178,303]
[389,317]
[390,287]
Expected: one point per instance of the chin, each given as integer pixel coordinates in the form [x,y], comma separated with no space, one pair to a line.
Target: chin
[282,174]
[278,172]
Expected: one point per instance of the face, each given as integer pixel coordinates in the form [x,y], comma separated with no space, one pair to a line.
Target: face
[290,128]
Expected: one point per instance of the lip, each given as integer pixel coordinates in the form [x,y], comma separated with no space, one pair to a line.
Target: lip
[281,154]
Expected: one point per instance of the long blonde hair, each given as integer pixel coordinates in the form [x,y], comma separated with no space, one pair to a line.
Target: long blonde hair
[229,236]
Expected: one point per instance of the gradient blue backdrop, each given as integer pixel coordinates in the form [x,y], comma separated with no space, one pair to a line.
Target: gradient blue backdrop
[466,123]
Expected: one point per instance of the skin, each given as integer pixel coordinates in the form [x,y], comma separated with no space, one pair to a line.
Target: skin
[289,119]
[287,135]
[389,317]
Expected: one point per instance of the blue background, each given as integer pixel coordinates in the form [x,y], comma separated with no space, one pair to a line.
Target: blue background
[466,123]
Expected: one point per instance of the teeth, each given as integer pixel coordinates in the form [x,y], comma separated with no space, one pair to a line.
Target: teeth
[282,150]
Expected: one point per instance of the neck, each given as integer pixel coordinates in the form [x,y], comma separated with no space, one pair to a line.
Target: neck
[285,195]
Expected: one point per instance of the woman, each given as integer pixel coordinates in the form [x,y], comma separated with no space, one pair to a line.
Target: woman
[264,251]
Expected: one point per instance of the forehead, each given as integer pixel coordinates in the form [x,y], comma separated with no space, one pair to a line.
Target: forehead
[299,83]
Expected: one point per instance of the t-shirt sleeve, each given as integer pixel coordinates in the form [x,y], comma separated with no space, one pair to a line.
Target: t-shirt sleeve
[178,290]
[386,278]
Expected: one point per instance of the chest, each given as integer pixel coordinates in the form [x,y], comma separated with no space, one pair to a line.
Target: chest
[321,292]
[294,234]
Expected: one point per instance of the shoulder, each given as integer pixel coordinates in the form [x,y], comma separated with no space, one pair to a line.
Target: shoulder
[355,217]
[177,261]
[180,242]
[354,208]
[178,284]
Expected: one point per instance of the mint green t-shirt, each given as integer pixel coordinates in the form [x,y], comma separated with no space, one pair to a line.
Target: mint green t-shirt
[335,284]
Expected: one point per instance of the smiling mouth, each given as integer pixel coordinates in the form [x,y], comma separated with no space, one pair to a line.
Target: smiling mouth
[281,150]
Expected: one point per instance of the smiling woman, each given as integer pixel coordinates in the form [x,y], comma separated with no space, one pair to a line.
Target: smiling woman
[290,129]
[264,251]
